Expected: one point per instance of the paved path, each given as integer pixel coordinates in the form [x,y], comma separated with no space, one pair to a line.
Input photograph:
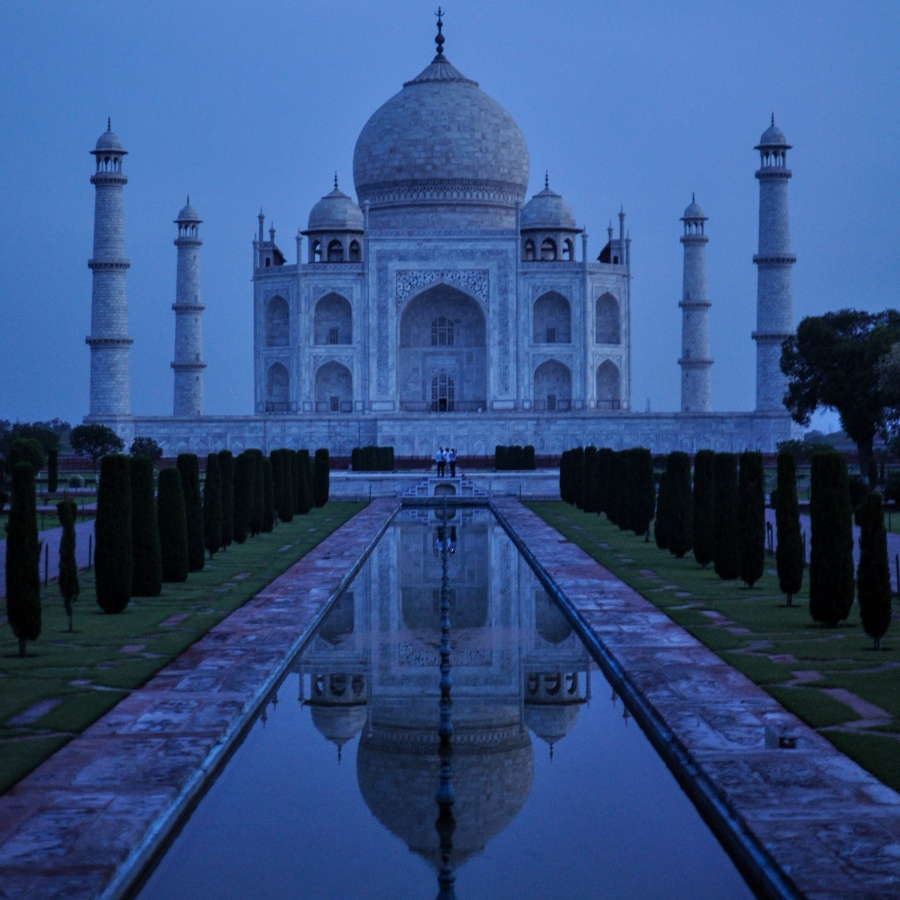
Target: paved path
[51,538]
[83,824]
[823,820]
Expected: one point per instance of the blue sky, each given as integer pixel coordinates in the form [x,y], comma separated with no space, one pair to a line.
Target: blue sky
[246,104]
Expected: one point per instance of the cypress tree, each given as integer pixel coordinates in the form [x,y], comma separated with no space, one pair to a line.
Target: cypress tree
[189,467]
[873,577]
[310,462]
[295,473]
[500,458]
[257,491]
[603,457]
[172,518]
[323,477]
[243,496]
[528,458]
[146,580]
[226,484]
[578,477]
[277,484]
[69,587]
[659,526]
[789,549]
[831,584]
[113,559]
[356,460]
[704,502]
[563,466]
[626,490]
[304,504]
[268,519]
[726,547]
[53,471]
[590,467]
[614,484]
[644,489]
[289,504]
[23,559]
[212,505]
[680,527]
[752,516]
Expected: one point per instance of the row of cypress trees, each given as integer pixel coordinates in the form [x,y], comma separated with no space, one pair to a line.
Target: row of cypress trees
[372,459]
[514,458]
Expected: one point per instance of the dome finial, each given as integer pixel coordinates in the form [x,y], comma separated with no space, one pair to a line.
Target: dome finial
[109,123]
[188,200]
[773,118]
[546,179]
[439,40]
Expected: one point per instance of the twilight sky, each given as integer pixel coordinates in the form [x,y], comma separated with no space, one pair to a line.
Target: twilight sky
[249,104]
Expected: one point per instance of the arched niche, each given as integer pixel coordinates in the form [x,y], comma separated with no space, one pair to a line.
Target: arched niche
[609,326]
[335,251]
[529,250]
[609,389]
[552,387]
[334,388]
[278,322]
[552,319]
[548,249]
[355,251]
[428,352]
[333,320]
[278,388]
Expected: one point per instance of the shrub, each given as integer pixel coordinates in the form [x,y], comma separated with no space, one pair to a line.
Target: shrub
[189,467]
[26,450]
[680,525]
[528,458]
[212,506]
[69,587]
[501,463]
[726,547]
[113,559]
[752,516]
[172,518]
[52,471]
[76,481]
[873,577]
[268,519]
[789,550]
[243,496]
[226,485]
[146,579]
[831,584]
[590,466]
[146,446]
[23,559]
[703,532]
[662,512]
[322,477]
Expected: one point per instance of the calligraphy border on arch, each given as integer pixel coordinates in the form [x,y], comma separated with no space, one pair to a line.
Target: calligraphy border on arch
[473,281]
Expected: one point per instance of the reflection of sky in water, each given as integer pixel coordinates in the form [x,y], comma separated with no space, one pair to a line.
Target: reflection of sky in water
[556,796]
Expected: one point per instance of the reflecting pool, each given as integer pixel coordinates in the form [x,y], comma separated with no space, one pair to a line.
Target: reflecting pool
[445,733]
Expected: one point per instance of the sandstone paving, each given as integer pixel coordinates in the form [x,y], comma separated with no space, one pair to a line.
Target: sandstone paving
[84,822]
[829,825]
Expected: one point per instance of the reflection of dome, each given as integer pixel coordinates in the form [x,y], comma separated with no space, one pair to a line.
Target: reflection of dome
[492,782]
[551,723]
[335,212]
[339,724]
[551,624]
[337,625]
[547,211]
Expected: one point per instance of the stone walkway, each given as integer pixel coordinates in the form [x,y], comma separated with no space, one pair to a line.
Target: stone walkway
[832,828]
[84,823]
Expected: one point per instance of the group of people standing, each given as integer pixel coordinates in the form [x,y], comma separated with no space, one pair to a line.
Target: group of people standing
[445,456]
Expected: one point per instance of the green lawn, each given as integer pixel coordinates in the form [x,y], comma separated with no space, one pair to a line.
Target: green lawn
[86,673]
[777,647]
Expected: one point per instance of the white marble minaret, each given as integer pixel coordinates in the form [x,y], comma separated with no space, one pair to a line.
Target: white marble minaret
[109,341]
[774,293]
[695,361]
[188,363]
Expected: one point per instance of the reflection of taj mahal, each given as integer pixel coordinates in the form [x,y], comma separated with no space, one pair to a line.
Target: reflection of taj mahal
[372,671]
[441,307]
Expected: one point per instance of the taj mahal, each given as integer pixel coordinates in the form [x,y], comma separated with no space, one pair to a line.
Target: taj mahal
[442,305]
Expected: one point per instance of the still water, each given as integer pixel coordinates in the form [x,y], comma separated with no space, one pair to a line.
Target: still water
[547,787]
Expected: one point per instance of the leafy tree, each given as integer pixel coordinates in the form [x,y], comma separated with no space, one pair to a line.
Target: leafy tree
[660,525]
[873,577]
[69,587]
[789,551]
[835,361]
[726,549]
[226,480]
[48,434]
[146,446]
[831,586]
[798,449]
[52,471]
[268,519]
[189,467]
[113,557]
[147,565]
[679,531]
[23,559]
[95,441]
[243,496]
[26,450]
[752,516]
[212,506]
[173,534]
[704,500]
[323,476]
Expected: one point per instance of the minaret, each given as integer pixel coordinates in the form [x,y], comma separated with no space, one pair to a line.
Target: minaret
[109,340]
[188,363]
[774,292]
[695,361]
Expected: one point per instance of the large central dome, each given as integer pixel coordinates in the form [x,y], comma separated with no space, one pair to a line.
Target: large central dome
[441,152]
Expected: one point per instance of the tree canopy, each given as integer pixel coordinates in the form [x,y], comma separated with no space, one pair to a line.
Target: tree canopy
[834,361]
[95,441]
